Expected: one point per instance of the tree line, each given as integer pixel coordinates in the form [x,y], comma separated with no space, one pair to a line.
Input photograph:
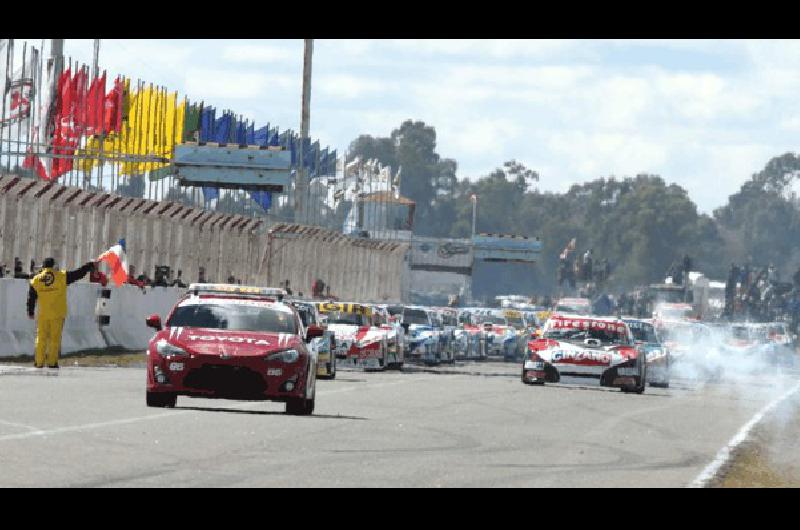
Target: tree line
[641,224]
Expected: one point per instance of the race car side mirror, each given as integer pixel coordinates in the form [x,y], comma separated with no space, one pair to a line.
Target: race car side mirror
[313,332]
[154,321]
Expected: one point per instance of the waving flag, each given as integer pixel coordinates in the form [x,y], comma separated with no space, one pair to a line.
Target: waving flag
[118,262]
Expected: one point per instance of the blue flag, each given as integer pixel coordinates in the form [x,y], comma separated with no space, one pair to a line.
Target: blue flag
[222,129]
[263,198]
[210,193]
[262,136]
[275,138]
[332,162]
[250,137]
[207,124]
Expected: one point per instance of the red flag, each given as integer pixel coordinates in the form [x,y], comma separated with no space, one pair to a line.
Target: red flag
[94,105]
[78,110]
[62,113]
[112,119]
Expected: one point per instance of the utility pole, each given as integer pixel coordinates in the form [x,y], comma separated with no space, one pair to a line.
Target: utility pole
[474,198]
[95,67]
[300,205]
[57,55]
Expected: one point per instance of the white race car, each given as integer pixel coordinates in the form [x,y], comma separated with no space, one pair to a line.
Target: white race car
[359,342]
[586,346]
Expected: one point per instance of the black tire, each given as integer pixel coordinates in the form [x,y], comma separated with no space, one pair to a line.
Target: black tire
[300,406]
[643,377]
[161,399]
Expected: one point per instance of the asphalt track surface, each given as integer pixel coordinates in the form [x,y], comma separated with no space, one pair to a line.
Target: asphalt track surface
[474,424]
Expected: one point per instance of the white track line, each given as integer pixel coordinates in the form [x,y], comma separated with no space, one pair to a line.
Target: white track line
[724,454]
[76,428]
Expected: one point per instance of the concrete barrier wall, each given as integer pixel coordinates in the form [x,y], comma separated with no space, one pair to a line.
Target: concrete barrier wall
[128,307]
[39,219]
[355,269]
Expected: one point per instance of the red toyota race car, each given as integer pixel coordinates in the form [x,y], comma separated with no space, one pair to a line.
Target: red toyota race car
[586,346]
[232,342]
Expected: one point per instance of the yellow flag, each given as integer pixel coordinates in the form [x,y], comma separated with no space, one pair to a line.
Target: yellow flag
[179,122]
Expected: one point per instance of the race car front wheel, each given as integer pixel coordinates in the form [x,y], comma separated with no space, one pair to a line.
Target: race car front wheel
[639,389]
[300,406]
[161,399]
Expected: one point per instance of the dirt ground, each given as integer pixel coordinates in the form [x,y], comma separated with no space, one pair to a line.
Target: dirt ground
[771,457]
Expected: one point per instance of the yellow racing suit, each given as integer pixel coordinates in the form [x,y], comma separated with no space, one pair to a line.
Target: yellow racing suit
[50,288]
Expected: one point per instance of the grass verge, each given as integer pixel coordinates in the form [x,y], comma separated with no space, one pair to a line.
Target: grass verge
[104,358]
[771,457]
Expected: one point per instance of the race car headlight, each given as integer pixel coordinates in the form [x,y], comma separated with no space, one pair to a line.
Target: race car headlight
[286,356]
[165,348]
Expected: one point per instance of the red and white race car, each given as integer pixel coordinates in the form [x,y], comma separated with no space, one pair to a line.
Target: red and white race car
[586,346]
[232,342]
[359,342]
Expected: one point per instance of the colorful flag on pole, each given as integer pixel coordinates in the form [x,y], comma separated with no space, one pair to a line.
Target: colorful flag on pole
[118,262]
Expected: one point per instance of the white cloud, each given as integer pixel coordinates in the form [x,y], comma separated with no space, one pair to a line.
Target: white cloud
[232,84]
[592,155]
[345,86]
[496,49]
[261,53]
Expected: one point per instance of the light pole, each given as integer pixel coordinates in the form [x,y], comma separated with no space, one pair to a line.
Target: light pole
[474,198]
[300,202]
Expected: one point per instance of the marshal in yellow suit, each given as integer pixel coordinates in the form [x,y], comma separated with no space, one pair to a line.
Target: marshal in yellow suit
[50,288]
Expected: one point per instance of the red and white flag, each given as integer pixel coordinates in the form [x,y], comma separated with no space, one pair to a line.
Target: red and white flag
[117,260]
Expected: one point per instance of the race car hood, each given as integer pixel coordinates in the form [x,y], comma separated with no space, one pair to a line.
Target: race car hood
[204,341]
[472,329]
[370,335]
[500,330]
[562,352]
[343,331]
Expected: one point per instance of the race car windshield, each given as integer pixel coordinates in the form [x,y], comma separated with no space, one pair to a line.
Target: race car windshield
[643,332]
[500,321]
[352,319]
[415,316]
[234,318]
[605,336]
[304,314]
[516,323]
[685,334]
[740,333]
[395,310]
[577,309]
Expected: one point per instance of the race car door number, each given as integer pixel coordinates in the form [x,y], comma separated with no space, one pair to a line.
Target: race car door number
[176,367]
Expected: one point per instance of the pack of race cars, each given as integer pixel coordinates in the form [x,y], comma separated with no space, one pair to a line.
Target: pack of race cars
[237,342]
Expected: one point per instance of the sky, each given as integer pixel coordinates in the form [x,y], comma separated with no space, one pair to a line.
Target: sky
[705,114]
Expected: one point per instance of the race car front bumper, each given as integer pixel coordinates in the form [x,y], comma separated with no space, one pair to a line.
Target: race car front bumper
[210,376]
